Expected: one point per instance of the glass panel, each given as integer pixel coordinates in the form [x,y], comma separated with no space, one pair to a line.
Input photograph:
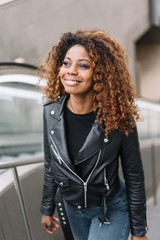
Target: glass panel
[20,115]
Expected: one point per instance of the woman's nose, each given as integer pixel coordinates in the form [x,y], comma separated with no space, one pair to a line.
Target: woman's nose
[72,70]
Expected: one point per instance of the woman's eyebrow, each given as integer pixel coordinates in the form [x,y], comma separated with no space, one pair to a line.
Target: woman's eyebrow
[81,59]
[84,59]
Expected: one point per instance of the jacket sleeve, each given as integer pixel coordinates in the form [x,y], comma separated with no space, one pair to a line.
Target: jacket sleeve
[49,187]
[134,178]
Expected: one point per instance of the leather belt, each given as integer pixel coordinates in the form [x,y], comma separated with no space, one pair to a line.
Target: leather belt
[63,216]
[107,197]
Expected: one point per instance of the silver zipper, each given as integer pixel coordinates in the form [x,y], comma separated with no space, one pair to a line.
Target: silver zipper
[62,161]
[106,180]
[85,183]
[85,194]
[57,152]
[59,160]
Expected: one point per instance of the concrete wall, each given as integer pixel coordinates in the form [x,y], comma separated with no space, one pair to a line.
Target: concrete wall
[148,57]
[30,27]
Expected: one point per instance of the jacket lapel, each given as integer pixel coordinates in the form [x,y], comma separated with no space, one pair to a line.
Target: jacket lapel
[57,131]
[95,141]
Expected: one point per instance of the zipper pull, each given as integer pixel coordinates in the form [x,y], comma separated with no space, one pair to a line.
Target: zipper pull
[107,185]
[85,186]
[105,180]
[59,160]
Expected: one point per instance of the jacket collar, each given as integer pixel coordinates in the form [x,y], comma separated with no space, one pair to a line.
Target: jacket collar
[94,142]
[63,101]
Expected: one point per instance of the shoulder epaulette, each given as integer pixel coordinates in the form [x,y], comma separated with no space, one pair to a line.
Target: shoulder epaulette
[48,102]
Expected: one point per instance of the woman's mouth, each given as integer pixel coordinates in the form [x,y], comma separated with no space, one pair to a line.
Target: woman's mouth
[72,82]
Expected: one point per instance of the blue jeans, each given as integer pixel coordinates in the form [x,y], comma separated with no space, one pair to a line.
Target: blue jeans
[86,226]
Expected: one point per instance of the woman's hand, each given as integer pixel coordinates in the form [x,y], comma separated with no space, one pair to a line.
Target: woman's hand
[48,223]
[139,238]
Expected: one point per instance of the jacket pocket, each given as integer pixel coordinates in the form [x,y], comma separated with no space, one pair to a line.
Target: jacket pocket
[63,182]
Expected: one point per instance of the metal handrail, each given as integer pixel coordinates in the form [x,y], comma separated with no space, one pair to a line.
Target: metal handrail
[20,161]
[13,164]
[38,158]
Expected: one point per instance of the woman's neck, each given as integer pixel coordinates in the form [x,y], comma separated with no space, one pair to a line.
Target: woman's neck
[80,105]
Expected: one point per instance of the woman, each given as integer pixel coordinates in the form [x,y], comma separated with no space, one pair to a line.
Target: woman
[89,123]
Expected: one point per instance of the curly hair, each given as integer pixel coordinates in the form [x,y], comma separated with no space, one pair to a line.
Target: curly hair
[114,95]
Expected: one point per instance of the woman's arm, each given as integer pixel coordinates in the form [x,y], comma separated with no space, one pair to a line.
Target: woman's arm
[134,178]
[49,187]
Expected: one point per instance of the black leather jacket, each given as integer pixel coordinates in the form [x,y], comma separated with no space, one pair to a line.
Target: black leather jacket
[98,167]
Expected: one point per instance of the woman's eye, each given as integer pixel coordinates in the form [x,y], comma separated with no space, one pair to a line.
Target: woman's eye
[84,66]
[65,63]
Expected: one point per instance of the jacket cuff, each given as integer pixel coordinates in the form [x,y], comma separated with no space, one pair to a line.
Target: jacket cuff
[47,211]
[139,231]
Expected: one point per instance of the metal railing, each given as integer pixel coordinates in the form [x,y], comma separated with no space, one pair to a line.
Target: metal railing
[38,158]
[153,144]
[10,164]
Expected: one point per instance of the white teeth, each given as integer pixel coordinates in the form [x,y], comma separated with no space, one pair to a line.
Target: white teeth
[71,80]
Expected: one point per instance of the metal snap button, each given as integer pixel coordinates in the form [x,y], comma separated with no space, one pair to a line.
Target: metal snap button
[79,207]
[52,112]
[52,132]
[64,223]
[106,140]
[59,204]
[61,183]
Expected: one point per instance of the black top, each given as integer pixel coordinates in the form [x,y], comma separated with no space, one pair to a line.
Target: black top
[77,128]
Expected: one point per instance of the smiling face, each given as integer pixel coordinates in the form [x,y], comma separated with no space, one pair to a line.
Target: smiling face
[76,73]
